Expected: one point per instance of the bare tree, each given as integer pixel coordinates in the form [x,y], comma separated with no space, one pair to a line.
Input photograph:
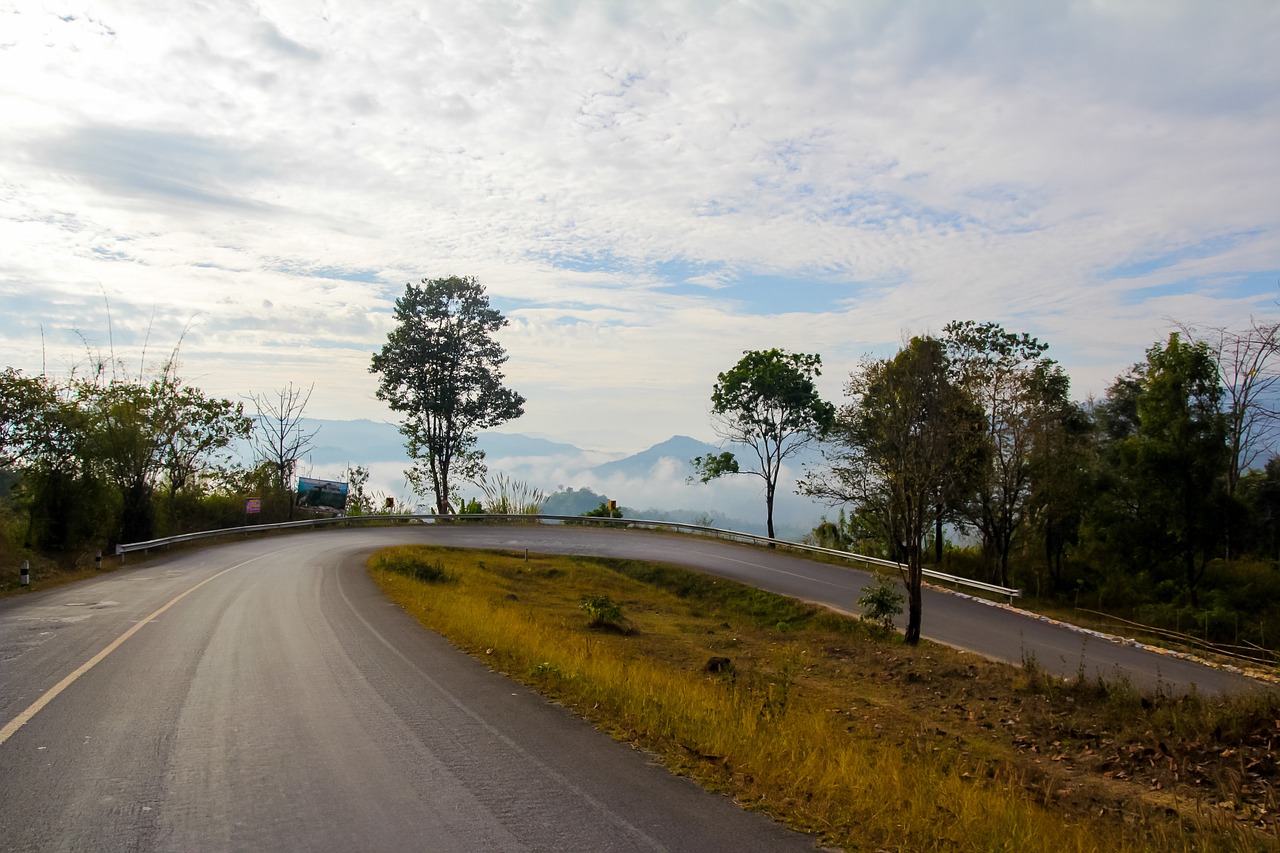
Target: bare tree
[279,438]
[1249,373]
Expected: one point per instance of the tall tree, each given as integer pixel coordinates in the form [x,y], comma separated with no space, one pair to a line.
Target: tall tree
[767,402]
[1018,388]
[1062,463]
[1179,452]
[441,368]
[898,441]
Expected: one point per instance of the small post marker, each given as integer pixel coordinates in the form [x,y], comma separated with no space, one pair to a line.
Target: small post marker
[97,561]
[25,573]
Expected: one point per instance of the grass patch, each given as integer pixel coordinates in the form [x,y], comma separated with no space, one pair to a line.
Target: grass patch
[836,730]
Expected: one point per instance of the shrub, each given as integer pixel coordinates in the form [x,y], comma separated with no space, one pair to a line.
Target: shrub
[603,610]
[881,602]
[418,569]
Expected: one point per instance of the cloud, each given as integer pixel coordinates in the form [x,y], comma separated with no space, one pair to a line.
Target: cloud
[646,189]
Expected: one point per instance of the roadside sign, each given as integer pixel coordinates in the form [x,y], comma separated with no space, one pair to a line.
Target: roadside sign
[252,506]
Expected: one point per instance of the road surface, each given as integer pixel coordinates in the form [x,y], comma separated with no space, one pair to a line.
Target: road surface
[264,695]
[270,698]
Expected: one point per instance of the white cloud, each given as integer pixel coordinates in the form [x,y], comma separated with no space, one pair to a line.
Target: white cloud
[1050,166]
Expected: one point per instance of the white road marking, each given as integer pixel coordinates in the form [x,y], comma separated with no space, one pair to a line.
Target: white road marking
[52,693]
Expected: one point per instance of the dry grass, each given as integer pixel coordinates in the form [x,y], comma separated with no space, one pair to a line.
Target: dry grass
[810,717]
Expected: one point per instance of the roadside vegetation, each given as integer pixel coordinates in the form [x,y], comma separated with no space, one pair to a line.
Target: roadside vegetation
[1153,509]
[837,728]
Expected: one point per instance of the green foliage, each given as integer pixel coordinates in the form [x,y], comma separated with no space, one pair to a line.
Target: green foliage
[881,602]
[571,501]
[603,610]
[900,449]
[603,511]
[1162,502]
[762,608]
[1023,395]
[859,531]
[73,442]
[441,368]
[768,402]
[713,466]
[409,565]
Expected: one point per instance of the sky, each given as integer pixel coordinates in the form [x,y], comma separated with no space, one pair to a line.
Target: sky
[645,189]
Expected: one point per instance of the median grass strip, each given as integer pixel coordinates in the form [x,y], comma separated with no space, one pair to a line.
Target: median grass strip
[837,730]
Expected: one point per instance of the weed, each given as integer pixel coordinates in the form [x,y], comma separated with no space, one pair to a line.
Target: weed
[413,565]
[603,610]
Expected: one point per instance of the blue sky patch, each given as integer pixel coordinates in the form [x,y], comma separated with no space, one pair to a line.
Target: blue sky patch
[1204,249]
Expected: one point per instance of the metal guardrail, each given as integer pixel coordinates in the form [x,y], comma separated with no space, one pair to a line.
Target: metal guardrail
[431,518]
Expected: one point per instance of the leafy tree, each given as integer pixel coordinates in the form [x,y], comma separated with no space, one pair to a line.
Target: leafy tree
[141,431]
[1063,461]
[43,435]
[1180,451]
[202,429]
[769,403]
[1161,500]
[907,426]
[27,404]
[359,499]
[1018,389]
[441,367]
[1260,493]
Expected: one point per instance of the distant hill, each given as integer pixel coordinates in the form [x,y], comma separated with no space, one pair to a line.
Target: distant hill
[576,480]
[679,447]
[361,442]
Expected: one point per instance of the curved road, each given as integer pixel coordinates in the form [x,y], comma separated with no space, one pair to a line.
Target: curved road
[264,695]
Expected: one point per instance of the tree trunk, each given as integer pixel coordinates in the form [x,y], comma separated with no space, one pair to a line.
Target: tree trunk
[914,596]
[937,538]
[768,503]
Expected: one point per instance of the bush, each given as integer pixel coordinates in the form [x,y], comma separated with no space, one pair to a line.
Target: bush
[881,602]
[602,511]
[603,610]
[418,569]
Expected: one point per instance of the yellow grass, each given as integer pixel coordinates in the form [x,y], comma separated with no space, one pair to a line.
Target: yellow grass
[788,732]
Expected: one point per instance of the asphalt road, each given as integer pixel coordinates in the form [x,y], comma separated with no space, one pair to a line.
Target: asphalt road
[270,698]
[960,621]
[264,695]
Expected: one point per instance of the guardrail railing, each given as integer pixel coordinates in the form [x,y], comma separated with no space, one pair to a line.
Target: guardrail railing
[431,518]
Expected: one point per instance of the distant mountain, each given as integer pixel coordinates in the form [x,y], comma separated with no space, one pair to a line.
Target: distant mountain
[362,442]
[501,445]
[356,442]
[577,479]
[679,447]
